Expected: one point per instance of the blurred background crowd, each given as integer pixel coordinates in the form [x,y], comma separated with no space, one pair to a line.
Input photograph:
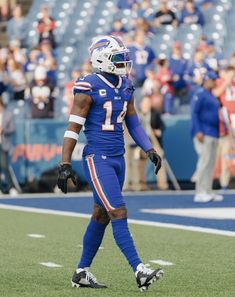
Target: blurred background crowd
[173,45]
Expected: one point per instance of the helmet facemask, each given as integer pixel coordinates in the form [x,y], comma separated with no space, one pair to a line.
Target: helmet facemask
[121,63]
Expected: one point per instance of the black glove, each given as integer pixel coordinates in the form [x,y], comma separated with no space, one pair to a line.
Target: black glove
[65,172]
[155,158]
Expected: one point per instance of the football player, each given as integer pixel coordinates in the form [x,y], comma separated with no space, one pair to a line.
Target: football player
[102,101]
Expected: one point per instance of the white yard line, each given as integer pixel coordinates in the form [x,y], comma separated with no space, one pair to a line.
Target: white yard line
[35,235]
[137,222]
[215,213]
[162,262]
[89,194]
[47,195]
[50,264]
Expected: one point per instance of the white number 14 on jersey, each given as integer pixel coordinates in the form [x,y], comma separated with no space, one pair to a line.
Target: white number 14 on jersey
[108,105]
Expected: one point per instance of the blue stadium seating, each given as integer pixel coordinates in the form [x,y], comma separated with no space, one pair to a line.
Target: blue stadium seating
[79,21]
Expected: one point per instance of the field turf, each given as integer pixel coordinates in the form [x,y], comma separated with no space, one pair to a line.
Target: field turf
[204,263]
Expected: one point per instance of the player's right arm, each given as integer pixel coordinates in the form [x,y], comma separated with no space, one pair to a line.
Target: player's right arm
[80,109]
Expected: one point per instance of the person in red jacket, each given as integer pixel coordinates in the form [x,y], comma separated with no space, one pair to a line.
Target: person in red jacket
[46,26]
[164,75]
[225,91]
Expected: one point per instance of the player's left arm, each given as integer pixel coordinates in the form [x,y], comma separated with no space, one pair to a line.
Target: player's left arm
[139,135]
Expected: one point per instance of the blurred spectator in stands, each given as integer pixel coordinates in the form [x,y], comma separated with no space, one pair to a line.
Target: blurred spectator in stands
[197,68]
[225,91]
[142,55]
[126,4]
[213,57]
[165,16]
[152,89]
[165,77]
[46,26]
[117,29]
[17,52]
[177,5]
[3,86]
[5,11]
[86,68]
[204,4]
[17,26]
[191,14]
[154,127]
[232,60]
[46,58]
[68,94]
[3,75]
[7,129]
[145,10]
[205,132]
[4,54]
[141,24]
[31,64]
[178,67]
[16,79]
[40,95]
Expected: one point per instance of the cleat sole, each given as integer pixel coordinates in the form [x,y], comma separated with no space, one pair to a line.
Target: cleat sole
[144,288]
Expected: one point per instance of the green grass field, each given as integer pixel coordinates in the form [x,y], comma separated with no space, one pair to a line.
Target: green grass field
[204,264]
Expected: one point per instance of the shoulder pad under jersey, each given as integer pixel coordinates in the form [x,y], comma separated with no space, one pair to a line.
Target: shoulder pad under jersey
[83,84]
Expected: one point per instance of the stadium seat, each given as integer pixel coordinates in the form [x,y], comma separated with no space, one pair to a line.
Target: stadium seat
[79,21]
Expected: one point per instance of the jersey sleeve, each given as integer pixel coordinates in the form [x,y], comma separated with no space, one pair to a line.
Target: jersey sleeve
[82,85]
[196,108]
[129,88]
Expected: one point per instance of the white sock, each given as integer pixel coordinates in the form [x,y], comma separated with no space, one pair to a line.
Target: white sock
[140,267]
[81,269]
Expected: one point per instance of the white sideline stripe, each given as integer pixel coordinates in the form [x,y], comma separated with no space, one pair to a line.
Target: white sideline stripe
[136,194]
[137,222]
[50,264]
[181,227]
[35,235]
[216,213]
[162,262]
[47,195]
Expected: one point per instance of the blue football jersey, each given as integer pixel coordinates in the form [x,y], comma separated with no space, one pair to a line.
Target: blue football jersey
[104,123]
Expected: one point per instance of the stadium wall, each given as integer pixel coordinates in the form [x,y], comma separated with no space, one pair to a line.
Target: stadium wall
[38,146]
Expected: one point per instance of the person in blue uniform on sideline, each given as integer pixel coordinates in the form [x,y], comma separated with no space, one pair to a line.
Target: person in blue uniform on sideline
[102,101]
[205,133]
